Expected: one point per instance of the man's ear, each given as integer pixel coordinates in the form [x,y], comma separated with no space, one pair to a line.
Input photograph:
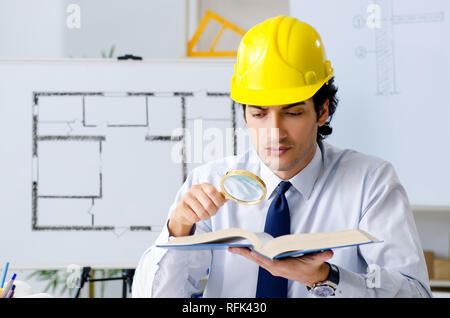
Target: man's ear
[324,113]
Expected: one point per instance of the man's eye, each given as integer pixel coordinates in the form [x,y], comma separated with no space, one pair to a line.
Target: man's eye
[295,114]
[258,115]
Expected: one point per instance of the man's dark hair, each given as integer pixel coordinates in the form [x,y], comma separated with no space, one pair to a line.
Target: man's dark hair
[327,91]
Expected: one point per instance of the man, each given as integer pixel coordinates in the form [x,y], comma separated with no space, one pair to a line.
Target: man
[286,87]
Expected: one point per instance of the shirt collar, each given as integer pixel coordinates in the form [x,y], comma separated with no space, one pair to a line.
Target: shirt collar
[303,181]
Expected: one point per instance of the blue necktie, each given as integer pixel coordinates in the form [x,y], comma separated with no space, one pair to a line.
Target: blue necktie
[278,222]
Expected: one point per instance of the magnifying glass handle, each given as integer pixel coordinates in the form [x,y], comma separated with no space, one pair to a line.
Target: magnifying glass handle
[224,195]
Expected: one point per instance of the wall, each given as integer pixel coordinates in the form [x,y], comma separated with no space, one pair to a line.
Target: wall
[31,29]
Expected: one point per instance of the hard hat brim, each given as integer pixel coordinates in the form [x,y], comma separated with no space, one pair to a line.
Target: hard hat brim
[274,97]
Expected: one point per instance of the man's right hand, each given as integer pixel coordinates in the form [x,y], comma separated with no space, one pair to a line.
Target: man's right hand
[200,203]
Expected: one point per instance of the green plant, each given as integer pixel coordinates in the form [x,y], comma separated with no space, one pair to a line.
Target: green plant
[111,52]
[57,280]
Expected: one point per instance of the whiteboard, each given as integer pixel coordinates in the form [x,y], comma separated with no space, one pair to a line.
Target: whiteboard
[391,61]
[93,153]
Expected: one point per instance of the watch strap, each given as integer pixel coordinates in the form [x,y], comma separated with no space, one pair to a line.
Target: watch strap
[333,275]
[332,279]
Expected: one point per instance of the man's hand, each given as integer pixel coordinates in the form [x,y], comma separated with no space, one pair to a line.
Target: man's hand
[200,203]
[307,269]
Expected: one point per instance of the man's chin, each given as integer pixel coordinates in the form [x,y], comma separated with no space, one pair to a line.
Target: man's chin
[275,163]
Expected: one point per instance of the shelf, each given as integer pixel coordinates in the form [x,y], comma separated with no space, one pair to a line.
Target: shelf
[440,284]
[430,209]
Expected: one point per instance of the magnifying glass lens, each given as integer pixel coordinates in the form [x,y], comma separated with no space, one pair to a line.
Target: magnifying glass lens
[243,187]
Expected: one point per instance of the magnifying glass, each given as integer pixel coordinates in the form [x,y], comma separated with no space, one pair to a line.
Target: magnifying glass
[243,187]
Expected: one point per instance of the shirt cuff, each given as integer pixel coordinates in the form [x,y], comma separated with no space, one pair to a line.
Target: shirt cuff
[351,285]
[165,253]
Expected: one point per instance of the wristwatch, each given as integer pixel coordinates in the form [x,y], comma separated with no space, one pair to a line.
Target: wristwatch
[328,286]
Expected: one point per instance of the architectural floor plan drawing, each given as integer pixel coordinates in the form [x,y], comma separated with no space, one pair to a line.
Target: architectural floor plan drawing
[382,20]
[107,161]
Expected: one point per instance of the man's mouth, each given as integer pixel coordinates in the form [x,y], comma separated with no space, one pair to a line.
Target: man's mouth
[277,150]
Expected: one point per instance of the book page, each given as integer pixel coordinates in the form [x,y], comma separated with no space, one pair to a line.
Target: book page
[264,237]
[315,241]
[226,236]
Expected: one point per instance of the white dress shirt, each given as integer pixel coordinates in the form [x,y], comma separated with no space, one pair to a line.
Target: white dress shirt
[338,190]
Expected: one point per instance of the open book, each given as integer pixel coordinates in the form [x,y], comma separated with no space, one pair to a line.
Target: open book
[291,245]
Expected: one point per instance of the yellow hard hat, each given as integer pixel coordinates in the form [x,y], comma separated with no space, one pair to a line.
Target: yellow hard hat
[279,61]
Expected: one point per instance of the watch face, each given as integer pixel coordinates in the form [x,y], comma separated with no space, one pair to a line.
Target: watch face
[323,291]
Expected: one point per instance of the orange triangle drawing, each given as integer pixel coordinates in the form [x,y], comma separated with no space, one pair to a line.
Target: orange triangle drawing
[201,27]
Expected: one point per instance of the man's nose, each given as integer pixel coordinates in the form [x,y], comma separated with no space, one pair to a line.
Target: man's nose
[276,126]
